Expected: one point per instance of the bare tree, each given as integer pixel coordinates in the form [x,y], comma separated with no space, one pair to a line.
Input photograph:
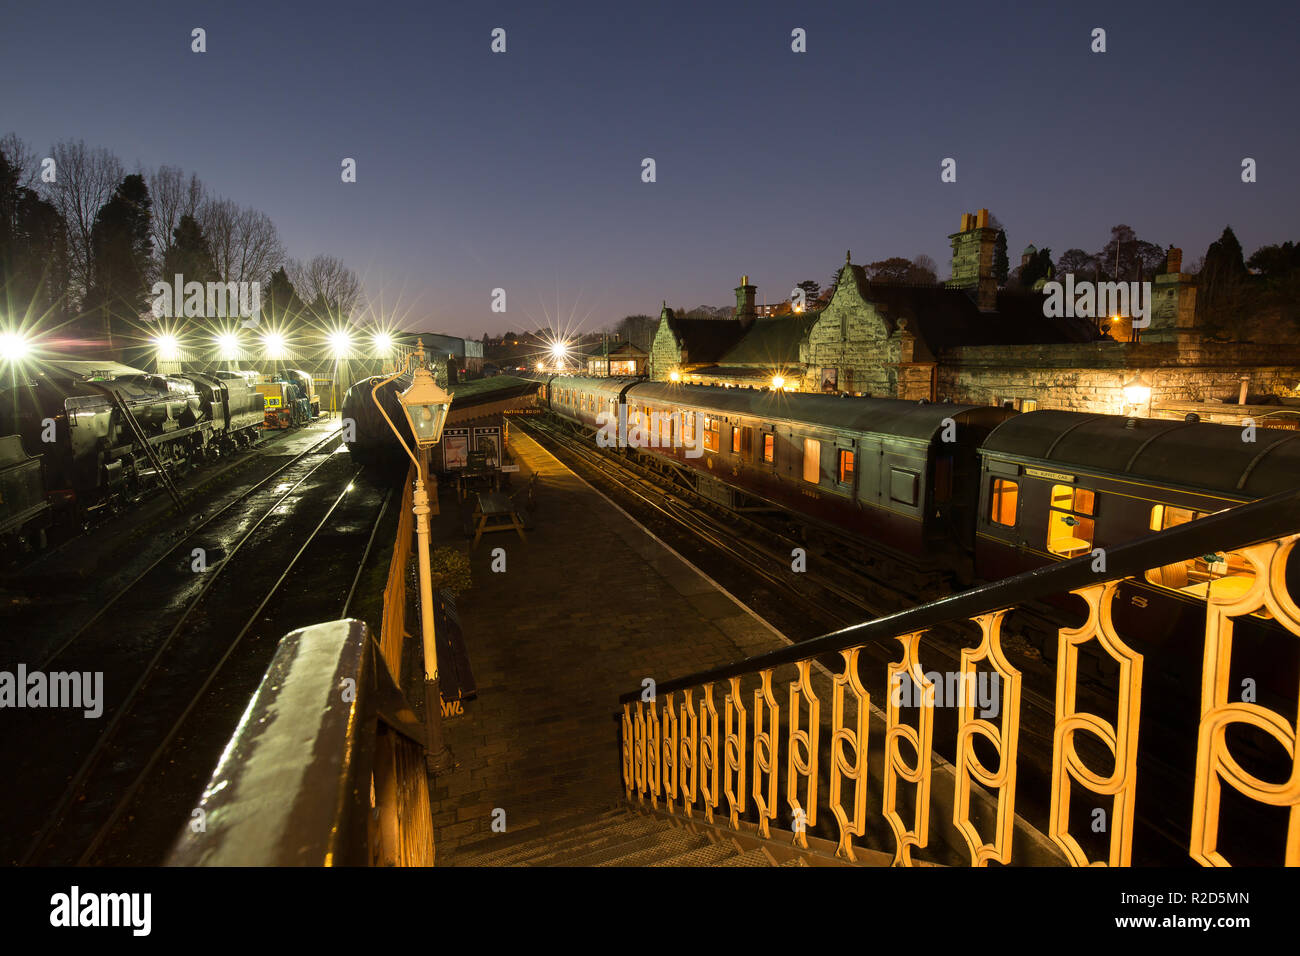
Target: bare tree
[84,180]
[245,244]
[325,282]
[173,196]
[22,158]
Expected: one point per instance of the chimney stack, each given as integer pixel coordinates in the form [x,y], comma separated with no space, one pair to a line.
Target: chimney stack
[972,259]
[745,312]
[1174,261]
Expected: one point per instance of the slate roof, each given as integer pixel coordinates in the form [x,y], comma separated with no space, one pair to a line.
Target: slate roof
[945,318]
[772,341]
[704,340]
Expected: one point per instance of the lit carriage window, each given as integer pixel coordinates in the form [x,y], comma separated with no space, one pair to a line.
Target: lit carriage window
[735,441]
[1070,526]
[1006,495]
[711,434]
[812,460]
[1224,574]
[688,428]
[845,466]
[769,447]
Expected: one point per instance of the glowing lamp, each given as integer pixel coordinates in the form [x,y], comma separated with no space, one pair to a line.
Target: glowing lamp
[169,350]
[229,345]
[273,342]
[426,407]
[340,343]
[778,381]
[383,343]
[675,376]
[14,346]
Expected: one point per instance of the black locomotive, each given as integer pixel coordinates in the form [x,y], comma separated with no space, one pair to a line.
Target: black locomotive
[87,424]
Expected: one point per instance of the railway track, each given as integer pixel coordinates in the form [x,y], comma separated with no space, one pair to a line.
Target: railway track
[199,621]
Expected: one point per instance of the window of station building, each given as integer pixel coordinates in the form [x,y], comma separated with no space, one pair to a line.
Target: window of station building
[1223,574]
[1005,498]
[712,434]
[1070,523]
[844,470]
[812,460]
[769,447]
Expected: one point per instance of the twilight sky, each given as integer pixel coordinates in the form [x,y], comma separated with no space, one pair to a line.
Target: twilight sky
[523,170]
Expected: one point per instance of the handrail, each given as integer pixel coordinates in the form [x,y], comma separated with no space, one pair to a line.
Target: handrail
[1228,530]
[326,767]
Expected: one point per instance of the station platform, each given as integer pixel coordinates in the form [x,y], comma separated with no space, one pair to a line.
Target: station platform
[589,606]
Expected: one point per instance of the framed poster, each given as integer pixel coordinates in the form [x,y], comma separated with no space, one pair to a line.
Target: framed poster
[489,440]
[455,448]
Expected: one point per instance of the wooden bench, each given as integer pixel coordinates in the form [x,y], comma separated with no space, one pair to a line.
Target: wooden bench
[495,511]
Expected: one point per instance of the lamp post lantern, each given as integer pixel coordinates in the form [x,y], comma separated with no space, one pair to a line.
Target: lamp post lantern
[425,406]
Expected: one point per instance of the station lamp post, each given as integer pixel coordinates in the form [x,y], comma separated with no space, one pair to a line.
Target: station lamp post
[425,406]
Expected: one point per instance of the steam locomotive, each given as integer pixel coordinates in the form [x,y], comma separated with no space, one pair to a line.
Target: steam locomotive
[75,435]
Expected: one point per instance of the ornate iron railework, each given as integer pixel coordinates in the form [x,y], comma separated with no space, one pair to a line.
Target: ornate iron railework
[1214,762]
[709,761]
[766,740]
[921,740]
[688,748]
[802,756]
[1004,739]
[1121,738]
[734,774]
[846,741]
[670,746]
[690,752]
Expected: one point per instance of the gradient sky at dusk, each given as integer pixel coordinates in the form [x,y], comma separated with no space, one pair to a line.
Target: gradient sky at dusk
[522,170]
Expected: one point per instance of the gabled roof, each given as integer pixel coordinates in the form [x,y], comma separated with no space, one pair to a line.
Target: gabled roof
[945,318]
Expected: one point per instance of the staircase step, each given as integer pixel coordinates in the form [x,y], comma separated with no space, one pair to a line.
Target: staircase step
[650,838]
[608,838]
[710,854]
[752,858]
[673,841]
[494,850]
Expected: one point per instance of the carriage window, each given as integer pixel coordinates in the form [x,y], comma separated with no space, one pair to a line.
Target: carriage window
[1223,574]
[711,434]
[769,447]
[688,428]
[845,466]
[735,441]
[812,460]
[1006,495]
[1070,526]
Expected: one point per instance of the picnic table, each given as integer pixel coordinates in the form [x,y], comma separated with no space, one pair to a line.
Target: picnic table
[494,511]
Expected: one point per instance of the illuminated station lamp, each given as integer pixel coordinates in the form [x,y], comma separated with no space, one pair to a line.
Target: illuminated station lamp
[426,407]
[14,346]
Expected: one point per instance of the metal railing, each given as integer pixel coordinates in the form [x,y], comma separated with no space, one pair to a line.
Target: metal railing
[677,754]
[325,769]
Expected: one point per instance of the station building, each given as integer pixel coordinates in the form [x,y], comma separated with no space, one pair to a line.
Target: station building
[972,342]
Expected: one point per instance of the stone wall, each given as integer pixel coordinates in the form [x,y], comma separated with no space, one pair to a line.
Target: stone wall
[852,335]
[664,353]
[1092,376]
